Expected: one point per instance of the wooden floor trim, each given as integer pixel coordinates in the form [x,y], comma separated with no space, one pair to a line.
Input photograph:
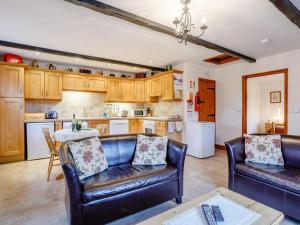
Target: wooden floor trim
[222,147]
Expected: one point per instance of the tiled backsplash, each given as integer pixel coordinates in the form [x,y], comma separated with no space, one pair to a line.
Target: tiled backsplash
[167,108]
[82,104]
[87,104]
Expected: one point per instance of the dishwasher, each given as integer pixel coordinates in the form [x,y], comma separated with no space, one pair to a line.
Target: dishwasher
[37,147]
[118,127]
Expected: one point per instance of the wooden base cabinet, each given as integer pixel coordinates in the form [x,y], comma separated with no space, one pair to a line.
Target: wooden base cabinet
[12,129]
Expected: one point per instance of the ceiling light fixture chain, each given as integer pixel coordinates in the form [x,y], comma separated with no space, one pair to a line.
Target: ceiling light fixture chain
[184,24]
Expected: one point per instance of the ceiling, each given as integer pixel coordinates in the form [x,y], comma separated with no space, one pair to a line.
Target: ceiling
[63,26]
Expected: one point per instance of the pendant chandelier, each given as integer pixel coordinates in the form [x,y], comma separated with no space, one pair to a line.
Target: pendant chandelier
[184,24]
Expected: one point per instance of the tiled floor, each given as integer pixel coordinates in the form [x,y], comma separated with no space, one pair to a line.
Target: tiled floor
[26,198]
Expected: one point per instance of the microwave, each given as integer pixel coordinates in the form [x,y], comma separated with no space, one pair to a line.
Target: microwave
[140,112]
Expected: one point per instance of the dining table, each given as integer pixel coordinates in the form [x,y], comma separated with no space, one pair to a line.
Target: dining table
[69,135]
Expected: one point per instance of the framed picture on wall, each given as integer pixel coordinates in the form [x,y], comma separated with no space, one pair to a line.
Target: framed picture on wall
[275,97]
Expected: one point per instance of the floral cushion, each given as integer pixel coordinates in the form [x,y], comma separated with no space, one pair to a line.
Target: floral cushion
[150,150]
[264,149]
[88,156]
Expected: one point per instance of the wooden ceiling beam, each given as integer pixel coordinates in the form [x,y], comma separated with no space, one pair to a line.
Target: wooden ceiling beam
[76,55]
[288,9]
[135,19]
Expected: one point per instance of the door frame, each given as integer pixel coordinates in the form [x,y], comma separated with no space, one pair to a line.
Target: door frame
[244,96]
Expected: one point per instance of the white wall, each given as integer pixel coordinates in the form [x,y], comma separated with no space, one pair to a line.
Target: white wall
[270,112]
[191,73]
[229,93]
[253,105]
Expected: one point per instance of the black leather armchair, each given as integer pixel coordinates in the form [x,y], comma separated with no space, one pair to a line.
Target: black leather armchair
[122,189]
[275,186]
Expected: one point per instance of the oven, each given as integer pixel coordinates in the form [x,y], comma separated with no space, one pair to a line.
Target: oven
[149,126]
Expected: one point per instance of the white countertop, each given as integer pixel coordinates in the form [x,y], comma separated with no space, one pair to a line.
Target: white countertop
[159,118]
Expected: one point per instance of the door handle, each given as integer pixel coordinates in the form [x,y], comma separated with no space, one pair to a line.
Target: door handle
[212,115]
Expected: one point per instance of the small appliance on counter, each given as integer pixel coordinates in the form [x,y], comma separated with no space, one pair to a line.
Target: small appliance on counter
[124,113]
[140,112]
[51,115]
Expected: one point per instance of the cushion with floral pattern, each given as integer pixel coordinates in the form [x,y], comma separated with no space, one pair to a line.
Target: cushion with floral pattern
[88,156]
[150,150]
[264,149]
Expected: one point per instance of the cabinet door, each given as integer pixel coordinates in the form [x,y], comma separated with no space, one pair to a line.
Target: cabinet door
[96,84]
[73,82]
[139,91]
[11,81]
[155,86]
[12,129]
[133,126]
[161,131]
[167,87]
[114,90]
[34,84]
[127,91]
[53,86]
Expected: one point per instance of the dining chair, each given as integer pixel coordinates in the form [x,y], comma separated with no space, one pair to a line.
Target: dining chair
[54,154]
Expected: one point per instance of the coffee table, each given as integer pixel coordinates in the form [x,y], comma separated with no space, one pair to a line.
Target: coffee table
[269,216]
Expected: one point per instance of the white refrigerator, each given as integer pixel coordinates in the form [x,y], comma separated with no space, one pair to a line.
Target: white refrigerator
[200,138]
[37,147]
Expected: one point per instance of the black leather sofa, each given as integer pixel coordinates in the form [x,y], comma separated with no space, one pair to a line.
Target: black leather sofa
[122,189]
[275,186]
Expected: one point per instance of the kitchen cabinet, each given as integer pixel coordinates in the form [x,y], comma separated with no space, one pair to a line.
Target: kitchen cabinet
[77,82]
[155,86]
[161,128]
[34,84]
[96,84]
[141,128]
[43,85]
[134,126]
[139,91]
[127,91]
[11,81]
[168,87]
[74,82]
[148,97]
[53,86]
[12,129]
[114,90]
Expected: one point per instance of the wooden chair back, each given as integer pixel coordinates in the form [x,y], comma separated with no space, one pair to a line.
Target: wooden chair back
[50,142]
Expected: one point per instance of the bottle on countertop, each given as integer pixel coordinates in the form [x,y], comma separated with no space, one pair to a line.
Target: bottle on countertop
[73,123]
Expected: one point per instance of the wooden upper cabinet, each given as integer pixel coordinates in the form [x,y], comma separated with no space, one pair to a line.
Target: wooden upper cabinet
[168,87]
[12,129]
[11,81]
[34,84]
[114,90]
[139,91]
[74,82]
[127,91]
[155,86]
[96,84]
[53,86]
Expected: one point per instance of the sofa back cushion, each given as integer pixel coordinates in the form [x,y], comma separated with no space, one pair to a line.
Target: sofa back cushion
[291,150]
[119,149]
[264,149]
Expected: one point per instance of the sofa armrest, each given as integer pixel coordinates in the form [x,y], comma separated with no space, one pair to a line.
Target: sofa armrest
[72,186]
[176,152]
[236,154]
